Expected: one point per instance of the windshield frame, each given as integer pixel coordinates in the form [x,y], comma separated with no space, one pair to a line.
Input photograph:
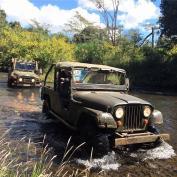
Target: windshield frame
[25,68]
[99,87]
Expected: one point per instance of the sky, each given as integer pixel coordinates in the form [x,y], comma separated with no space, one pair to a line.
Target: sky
[133,14]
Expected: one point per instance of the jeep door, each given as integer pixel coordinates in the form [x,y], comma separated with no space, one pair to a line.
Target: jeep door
[62,91]
[50,86]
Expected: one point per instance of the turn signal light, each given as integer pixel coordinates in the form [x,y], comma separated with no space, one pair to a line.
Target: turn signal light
[119,123]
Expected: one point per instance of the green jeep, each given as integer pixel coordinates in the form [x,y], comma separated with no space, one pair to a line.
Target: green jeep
[93,100]
[23,73]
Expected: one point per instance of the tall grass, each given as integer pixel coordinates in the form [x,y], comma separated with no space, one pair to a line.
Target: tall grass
[23,159]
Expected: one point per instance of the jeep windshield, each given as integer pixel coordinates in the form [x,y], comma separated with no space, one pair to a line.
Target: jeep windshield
[25,66]
[98,79]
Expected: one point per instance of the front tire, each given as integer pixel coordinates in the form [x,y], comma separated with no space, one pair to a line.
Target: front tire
[90,134]
[9,83]
[101,144]
[159,141]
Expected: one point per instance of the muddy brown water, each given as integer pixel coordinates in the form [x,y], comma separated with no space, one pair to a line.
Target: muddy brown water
[20,112]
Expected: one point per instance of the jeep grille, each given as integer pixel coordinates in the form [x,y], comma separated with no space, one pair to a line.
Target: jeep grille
[133,117]
[27,79]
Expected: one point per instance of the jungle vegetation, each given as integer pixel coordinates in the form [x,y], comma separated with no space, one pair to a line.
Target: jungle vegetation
[149,66]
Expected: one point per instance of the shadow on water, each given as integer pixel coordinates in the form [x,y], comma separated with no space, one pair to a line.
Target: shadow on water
[35,126]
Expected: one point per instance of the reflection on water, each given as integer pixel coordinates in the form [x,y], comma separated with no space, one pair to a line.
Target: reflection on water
[21,99]
[19,96]
[31,97]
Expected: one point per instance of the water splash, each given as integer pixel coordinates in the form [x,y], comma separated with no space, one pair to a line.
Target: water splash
[107,162]
[113,161]
[164,151]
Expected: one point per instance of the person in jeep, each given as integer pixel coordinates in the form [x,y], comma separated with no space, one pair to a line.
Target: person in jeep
[94,100]
[23,73]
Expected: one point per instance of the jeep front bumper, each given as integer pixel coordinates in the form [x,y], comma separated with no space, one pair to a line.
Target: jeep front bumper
[28,84]
[138,138]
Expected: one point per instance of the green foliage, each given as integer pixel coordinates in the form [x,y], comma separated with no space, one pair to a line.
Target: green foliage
[32,45]
[103,52]
[134,36]
[147,67]
[77,24]
[156,71]
[91,52]
[3,21]
[173,51]
[90,33]
[124,53]
[169,14]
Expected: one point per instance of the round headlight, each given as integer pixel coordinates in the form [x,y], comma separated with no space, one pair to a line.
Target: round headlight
[32,80]
[20,79]
[147,111]
[119,113]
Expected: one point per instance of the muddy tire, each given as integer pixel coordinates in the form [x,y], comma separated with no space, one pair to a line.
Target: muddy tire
[95,140]
[46,108]
[155,144]
[87,129]
[101,145]
[159,141]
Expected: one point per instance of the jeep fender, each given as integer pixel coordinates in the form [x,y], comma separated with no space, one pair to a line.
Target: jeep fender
[156,117]
[102,119]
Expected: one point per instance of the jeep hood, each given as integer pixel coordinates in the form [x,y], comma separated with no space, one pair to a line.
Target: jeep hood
[25,73]
[106,100]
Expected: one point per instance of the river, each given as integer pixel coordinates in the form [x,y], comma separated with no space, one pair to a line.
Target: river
[20,113]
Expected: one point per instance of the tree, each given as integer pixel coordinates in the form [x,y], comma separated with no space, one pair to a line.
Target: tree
[2,18]
[32,45]
[77,24]
[15,25]
[40,28]
[168,20]
[109,15]
[90,33]
[94,51]
[134,36]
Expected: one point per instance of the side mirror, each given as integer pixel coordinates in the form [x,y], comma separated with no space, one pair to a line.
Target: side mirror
[127,83]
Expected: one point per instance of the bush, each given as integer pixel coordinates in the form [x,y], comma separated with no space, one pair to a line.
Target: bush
[91,52]
[155,71]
